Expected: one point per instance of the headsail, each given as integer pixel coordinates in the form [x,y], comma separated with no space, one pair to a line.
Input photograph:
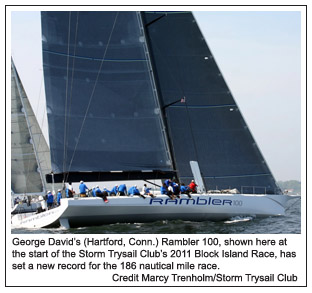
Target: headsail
[204,122]
[30,156]
[102,106]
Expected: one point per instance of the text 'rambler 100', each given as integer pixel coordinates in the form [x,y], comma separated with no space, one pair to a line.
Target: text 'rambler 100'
[193,201]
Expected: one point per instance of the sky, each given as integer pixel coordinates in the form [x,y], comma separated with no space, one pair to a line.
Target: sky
[259,55]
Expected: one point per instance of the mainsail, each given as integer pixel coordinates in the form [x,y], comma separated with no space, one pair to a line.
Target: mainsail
[139,92]
[30,156]
[103,111]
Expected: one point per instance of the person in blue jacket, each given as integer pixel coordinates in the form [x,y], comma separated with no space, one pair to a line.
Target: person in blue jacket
[58,197]
[114,191]
[97,191]
[168,182]
[164,189]
[176,189]
[122,189]
[168,190]
[106,190]
[134,191]
[185,190]
[67,192]
[83,189]
[93,192]
[50,200]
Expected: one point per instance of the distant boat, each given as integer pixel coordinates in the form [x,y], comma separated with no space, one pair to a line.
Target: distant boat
[139,96]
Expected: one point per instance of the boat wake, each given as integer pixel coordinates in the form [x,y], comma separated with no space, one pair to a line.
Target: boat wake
[238,219]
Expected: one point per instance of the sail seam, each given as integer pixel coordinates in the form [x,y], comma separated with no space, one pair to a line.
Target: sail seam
[92,58]
[203,106]
[231,176]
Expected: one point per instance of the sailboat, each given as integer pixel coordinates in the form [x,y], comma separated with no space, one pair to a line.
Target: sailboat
[26,177]
[139,96]
[30,155]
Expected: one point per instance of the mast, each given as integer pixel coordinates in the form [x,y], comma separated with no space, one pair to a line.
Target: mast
[157,91]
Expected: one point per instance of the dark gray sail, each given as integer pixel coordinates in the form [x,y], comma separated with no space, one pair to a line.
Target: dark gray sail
[102,105]
[207,125]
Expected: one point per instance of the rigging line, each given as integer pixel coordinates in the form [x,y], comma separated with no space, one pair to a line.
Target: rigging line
[38,102]
[40,126]
[158,18]
[40,133]
[92,94]
[38,149]
[71,95]
[66,90]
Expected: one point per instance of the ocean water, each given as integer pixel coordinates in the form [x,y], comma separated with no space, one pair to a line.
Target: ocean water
[288,224]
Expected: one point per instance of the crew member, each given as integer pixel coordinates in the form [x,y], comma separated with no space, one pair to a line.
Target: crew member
[185,190]
[106,190]
[69,190]
[147,191]
[59,196]
[122,189]
[83,189]
[50,200]
[168,182]
[134,191]
[164,189]
[176,189]
[93,191]
[192,186]
[170,192]
[97,191]
[114,191]
[105,194]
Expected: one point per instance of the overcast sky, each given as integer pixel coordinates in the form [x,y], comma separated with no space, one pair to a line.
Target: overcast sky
[258,54]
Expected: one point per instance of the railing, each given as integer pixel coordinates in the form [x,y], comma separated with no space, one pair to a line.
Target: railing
[247,190]
[254,189]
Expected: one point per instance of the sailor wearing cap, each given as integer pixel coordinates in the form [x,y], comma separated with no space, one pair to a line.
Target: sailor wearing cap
[59,196]
[134,191]
[93,191]
[50,199]
[97,191]
[122,189]
[192,186]
[83,189]
[114,191]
